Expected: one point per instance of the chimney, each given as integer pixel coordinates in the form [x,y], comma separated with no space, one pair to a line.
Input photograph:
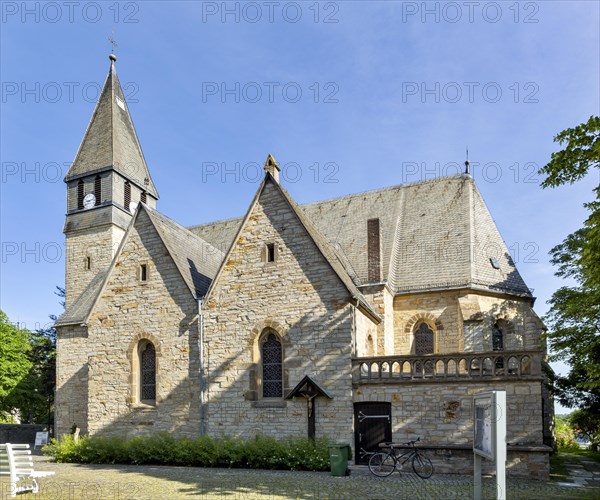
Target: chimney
[374,250]
[272,167]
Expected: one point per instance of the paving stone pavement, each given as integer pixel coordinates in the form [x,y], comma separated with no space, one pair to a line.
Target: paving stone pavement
[74,481]
[582,472]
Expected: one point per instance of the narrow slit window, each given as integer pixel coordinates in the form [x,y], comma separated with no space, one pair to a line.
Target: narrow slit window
[127,198]
[144,272]
[88,263]
[270,252]
[98,189]
[80,195]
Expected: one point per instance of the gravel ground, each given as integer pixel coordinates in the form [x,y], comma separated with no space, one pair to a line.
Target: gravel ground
[165,483]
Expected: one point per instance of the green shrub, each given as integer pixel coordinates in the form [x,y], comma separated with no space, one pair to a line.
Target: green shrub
[259,452]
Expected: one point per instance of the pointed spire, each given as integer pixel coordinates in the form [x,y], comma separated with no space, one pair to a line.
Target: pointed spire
[110,141]
[272,167]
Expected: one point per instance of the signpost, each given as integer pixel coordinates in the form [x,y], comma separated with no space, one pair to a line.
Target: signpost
[489,438]
[41,438]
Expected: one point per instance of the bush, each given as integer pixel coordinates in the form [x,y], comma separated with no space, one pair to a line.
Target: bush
[259,452]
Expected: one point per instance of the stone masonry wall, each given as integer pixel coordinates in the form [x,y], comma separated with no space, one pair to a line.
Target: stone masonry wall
[100,244]
[71,398]
[442,414]
[446,311]
[161,310]
[302,299]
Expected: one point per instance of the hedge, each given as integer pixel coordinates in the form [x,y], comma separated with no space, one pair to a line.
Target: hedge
[260,452]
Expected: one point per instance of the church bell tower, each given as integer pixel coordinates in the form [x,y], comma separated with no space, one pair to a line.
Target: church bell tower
[104,184]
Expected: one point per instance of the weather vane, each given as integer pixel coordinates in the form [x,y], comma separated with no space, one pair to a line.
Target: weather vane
[113,42]
[467,163]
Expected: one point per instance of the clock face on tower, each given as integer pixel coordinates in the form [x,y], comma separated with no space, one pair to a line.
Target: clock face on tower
[89,201]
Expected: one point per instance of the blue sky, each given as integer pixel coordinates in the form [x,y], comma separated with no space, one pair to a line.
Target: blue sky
[348,96]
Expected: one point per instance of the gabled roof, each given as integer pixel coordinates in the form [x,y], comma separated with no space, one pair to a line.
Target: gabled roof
[196,260]
[78,312]
[110,140]
[307,386]
[326,249]
[436,234]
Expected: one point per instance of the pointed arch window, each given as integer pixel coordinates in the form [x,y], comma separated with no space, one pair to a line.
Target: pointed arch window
[424,344]
[497,338]
[127,196]
[80,194]
[98,189]
[272,366]
[423,340]
[147,366]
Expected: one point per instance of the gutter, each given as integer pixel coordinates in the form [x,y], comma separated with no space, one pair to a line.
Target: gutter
[201,368]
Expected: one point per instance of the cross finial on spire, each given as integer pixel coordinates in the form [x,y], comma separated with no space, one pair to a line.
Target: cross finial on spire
[467,164]
[114,44]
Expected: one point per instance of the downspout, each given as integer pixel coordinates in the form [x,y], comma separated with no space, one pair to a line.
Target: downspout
[201,362]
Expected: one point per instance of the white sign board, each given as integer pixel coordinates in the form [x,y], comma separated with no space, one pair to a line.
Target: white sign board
[489,438]
[483,425]
[41,438]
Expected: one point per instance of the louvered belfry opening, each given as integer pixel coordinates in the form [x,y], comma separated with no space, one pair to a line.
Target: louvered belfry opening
[98,189]
[374,250]
[127,198]
[80,194]
[143,197]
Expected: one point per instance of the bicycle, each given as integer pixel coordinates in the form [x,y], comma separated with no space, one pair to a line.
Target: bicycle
[382,464]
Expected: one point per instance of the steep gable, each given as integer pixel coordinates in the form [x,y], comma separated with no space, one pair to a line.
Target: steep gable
[196,260]
[272,200]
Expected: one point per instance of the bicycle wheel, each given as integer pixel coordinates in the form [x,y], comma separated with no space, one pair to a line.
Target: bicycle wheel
[382,464]
[422,466]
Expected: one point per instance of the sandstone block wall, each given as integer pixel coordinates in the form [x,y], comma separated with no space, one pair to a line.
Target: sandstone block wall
[161,310]
[302,299]
[100,244]
[446,312]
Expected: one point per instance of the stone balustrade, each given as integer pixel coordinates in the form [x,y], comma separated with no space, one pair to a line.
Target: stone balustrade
[448,366]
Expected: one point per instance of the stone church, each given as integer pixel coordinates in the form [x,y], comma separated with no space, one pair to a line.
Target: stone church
[365,318]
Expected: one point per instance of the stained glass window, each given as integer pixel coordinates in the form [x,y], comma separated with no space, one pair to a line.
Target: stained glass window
[272,370]
[148,372]
[423,340]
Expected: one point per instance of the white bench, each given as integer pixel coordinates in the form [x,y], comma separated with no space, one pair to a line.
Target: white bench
[16,462]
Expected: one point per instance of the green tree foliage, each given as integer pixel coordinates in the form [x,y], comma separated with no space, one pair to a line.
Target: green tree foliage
[15,362]
[574,316]
[587,424]
[27,383]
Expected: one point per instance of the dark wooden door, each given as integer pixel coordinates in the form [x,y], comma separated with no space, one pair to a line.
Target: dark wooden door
[372,425]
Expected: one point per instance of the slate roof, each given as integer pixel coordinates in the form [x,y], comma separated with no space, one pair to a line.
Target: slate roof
[78,311]
[110,141]
[436,234]
[197,260]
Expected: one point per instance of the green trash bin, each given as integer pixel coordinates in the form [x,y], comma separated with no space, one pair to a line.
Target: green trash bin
[339,454]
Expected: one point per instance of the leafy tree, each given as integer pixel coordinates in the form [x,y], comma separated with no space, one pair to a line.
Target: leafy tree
[586,424]
[31,391]
[15,362]
[574,316]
